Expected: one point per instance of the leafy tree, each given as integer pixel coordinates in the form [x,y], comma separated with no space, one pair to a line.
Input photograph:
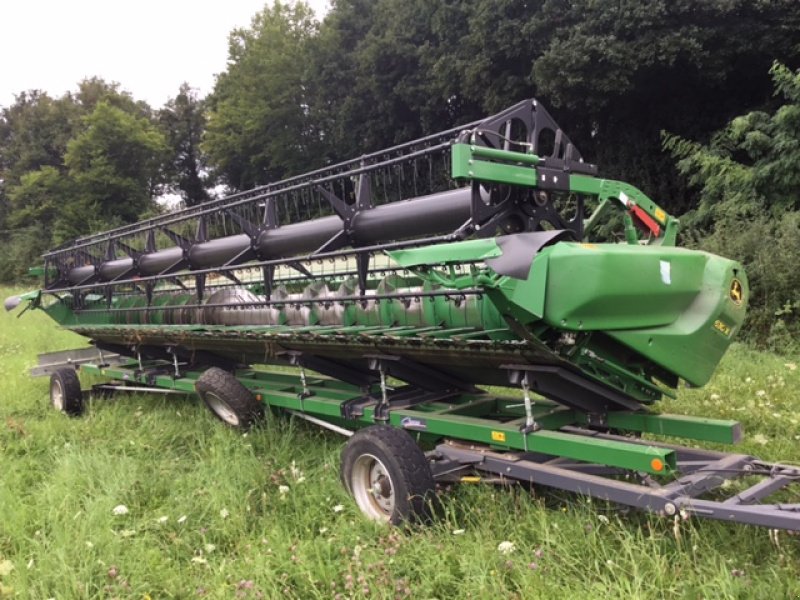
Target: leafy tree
[332,66]
[93,90]
[382,72]
[73,165]
[624,70]
[115,163]
[39,203]
[614,72]
[258,128]
[34,132]
[385,74]
[749,181]
[486,50]
[39,197]
[183,121]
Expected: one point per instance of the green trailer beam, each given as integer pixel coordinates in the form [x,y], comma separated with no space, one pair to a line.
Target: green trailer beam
[327,396]
[721,431]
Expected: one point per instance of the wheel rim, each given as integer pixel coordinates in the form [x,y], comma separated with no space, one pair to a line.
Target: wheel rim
[222,409]
[373,488]
[57,395]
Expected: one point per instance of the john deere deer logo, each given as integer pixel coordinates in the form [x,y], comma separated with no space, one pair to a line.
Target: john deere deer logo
[737,295]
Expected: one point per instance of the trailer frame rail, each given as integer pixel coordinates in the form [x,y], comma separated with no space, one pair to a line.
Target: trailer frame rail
[474,432]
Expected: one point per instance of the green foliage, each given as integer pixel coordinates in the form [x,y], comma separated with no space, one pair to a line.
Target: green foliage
[626,70]
[21,246]
[115,163]
[73,165]
[183,121]
[94,90]
[616,72]
[258,128]
[38,198]
[749,181]
[34,132]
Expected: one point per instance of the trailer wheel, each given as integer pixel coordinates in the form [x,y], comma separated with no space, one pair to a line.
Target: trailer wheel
[388,475]
[230,401]
[65,392]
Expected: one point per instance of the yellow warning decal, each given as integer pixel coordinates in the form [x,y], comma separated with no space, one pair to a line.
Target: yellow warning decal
[498,436]
[736,293]
[589,246]
[660,215]
[722,327]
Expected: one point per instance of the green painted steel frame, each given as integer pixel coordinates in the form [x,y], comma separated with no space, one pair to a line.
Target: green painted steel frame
[481,418]
[478,163]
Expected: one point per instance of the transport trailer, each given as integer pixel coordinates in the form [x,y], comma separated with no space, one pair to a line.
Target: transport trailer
[399,285]
[466,434]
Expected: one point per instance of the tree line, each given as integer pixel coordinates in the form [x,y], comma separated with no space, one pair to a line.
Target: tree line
[694,101]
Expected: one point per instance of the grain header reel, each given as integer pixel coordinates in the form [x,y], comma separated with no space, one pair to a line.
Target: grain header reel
[399,284]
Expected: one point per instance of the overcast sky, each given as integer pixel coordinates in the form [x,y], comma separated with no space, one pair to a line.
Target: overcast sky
[148,46]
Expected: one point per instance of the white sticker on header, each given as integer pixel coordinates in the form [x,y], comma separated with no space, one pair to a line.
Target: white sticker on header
[666,275]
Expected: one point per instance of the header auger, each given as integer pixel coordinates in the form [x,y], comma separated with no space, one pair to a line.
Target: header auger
[481,255]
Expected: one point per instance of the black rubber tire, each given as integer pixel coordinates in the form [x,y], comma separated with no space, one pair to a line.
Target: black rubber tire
[229,400]
[409,474]
[65,392]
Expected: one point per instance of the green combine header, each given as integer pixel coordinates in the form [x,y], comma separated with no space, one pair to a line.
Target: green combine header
[399,285]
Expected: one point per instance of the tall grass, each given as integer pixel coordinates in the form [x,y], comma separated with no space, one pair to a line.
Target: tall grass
[216,514]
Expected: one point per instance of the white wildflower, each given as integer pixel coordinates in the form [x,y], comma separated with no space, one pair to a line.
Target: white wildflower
[506,547]
[182,520]
[458,531]
[199,560]
[323,530]
[224,513]
[283,489]
[209,548]
[760,438]
[120,510]
[715,396]
[603,519]
[790,366]
[89,545]
[761,393]
[6,566]
[126,533]
[295,471]
[338,508]
[748,380]
[162,520]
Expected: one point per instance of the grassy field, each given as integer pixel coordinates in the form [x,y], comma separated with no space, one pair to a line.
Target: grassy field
[216,514]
